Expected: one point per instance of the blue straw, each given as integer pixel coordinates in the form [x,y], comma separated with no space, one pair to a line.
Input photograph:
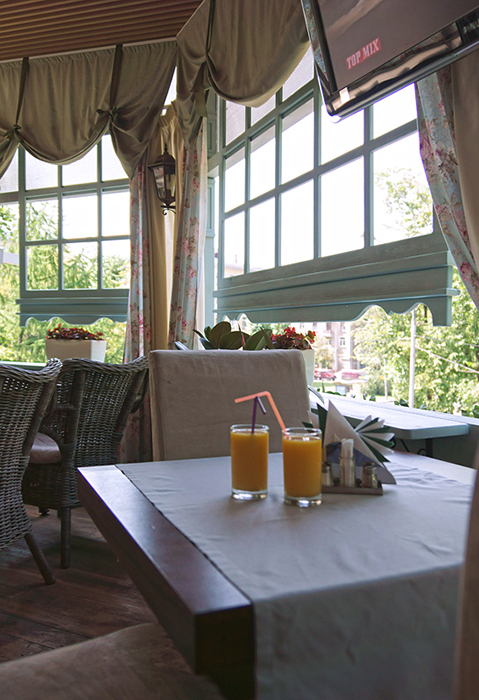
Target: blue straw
[256,401]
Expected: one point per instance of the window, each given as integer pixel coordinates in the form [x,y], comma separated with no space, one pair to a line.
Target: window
[342,342]
[313,221]
[73,235]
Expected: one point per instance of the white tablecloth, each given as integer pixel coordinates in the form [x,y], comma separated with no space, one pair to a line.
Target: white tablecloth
[355,599]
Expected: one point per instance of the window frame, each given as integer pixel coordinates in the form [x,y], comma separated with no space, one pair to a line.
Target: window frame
[78,306]
[397,276]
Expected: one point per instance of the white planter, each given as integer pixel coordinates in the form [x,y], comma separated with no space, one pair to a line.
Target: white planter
[308,357]
[65,349]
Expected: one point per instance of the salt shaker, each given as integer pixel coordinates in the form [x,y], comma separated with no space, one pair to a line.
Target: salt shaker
[327,475]
[369,477]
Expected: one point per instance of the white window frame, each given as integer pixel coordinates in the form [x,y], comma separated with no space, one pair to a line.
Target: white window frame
[78,306]
[396,276]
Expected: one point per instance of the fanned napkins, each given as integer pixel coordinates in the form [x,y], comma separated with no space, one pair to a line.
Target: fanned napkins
[371,439]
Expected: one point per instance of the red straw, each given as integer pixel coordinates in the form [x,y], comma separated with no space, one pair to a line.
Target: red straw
[270,399]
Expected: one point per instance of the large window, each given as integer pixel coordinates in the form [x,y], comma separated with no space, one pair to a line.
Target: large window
[314,216]
[73,223]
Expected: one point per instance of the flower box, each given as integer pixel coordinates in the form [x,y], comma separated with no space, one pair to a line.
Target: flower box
[65,349]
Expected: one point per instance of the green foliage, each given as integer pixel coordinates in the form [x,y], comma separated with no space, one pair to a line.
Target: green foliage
[447,358]
[408,201]
[222,337]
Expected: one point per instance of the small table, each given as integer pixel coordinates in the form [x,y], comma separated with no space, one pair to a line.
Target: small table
[405,424]
[378,612]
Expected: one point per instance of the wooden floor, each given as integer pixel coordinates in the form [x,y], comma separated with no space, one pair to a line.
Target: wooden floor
[91,598]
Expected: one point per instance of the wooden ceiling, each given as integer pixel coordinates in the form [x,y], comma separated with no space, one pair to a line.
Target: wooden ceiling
[43,27]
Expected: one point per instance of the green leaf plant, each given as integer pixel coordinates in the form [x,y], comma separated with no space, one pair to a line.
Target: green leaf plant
[222,337]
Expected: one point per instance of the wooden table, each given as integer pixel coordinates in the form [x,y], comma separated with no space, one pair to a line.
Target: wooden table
[405,424]
[210,620]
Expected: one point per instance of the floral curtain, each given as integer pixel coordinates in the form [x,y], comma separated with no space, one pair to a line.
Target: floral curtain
[137,444]
[188,263]
[435,104]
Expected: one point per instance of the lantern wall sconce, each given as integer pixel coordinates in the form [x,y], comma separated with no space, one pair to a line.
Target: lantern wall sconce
[164,171]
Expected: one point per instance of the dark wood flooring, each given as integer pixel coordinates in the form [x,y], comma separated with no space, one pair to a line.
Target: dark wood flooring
[91,598]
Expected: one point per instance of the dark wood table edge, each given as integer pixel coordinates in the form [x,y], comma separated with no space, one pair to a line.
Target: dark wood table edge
[208,618]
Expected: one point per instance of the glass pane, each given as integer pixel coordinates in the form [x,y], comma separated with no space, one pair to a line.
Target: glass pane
[301,75]
[9,214]
[395,110]
[402,200]
[297,224]
[39,174]
[258,112]
[234,180]
[42,267]
[116,264]
[234,246]
[42,220]
[342,209]
[235,121]
[298,140]
[262,163]
[81,171]
[261,236]
[80,216]
[340,137]
[80,266]
[115,213]
[9,181]
[111,168]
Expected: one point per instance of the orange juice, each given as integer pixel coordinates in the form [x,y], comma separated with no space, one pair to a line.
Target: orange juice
[302,462]
[249,461]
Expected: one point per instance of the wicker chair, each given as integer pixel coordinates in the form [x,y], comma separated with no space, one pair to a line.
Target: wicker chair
[24,398]
[94,401]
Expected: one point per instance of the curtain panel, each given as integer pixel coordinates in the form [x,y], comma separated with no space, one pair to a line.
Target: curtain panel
[446,125]
[59,107]
[153,238]
[243,50]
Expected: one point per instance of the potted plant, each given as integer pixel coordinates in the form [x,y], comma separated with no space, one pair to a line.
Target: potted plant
[222,337]
[289,339]
[63,343]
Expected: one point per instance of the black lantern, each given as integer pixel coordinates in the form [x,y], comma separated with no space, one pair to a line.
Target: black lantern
[164,171]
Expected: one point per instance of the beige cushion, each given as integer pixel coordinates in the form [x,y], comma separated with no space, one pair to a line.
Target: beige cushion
[131,664]
[193,393]
[45,450]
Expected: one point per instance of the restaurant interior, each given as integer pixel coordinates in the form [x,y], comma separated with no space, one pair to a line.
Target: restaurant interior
[199,525]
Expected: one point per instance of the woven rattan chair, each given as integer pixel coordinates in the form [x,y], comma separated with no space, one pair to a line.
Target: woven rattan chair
[24,397]
[94,401]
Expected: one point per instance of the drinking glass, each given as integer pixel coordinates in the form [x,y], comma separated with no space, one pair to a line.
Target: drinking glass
[249,462]
[302,465]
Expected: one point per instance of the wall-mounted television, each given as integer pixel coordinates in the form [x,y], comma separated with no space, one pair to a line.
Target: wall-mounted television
[367,49]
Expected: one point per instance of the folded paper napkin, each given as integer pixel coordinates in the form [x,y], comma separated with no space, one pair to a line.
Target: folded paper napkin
[337,428]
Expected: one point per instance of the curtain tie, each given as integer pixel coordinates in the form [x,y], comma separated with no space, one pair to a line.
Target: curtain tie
[10,135]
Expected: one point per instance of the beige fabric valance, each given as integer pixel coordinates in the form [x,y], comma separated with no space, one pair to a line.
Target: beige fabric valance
[66,103]
[243,50]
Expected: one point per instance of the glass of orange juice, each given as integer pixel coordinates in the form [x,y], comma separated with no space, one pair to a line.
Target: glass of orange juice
[302,465]
[249,462]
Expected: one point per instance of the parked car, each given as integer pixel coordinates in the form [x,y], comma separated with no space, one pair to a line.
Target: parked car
[324,374]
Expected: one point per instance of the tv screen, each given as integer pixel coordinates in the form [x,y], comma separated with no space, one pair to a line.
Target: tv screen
[366,49]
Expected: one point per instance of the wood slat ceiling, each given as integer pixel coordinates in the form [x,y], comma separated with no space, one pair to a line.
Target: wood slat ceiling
[43,27]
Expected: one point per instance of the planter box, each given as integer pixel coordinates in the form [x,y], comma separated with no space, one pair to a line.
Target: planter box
[65,349]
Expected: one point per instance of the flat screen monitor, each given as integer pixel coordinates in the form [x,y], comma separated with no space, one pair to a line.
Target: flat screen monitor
[367,49]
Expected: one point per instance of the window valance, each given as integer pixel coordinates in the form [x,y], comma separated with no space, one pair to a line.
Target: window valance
[58,107]
[243,50]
